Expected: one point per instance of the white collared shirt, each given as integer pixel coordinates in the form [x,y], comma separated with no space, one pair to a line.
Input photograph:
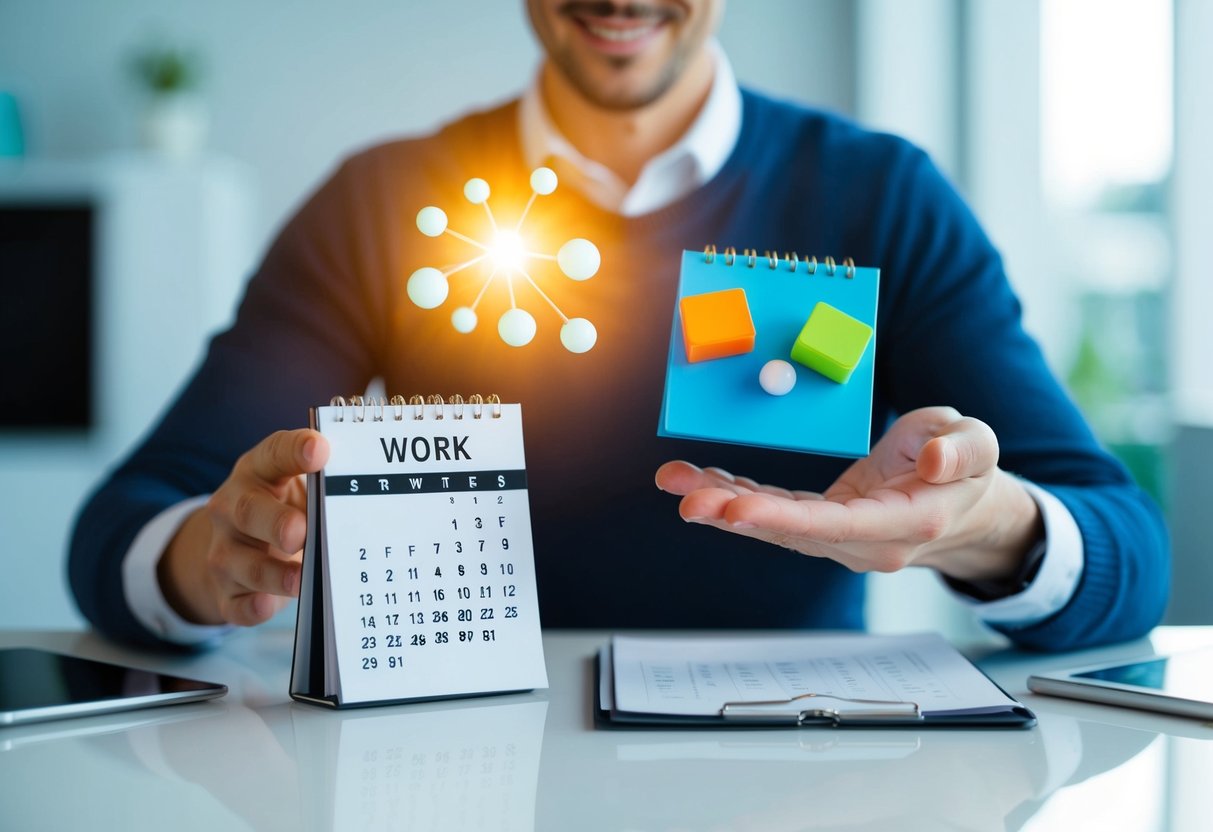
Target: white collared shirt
[687,165]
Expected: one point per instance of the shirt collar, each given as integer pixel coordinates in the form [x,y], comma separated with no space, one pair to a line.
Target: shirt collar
[690,163]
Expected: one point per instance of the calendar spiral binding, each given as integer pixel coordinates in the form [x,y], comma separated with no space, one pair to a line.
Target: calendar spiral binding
[379,408]
[750,255]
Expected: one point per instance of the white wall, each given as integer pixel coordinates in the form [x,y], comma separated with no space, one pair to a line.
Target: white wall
[173,239]
[292,85]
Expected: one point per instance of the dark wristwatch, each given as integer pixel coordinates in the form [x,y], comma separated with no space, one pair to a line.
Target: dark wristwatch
[1006,587]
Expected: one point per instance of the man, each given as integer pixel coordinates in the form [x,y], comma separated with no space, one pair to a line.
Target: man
[1013,503]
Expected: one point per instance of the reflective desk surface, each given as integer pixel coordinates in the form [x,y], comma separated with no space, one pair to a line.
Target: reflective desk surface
[256,760]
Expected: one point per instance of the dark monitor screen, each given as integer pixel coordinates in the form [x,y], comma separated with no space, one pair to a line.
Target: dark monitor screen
[46,315]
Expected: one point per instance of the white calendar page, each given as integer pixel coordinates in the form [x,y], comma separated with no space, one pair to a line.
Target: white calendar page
[428,553]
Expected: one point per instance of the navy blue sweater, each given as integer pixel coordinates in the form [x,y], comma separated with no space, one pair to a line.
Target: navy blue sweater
[327,311]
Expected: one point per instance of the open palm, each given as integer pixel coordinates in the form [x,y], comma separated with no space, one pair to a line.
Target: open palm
[930,493]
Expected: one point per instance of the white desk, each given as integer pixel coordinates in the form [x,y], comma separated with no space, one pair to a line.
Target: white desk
[255,760]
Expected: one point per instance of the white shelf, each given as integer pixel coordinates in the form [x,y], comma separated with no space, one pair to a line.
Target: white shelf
[174,247]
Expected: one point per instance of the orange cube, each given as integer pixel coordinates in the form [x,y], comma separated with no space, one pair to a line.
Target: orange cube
[716,325]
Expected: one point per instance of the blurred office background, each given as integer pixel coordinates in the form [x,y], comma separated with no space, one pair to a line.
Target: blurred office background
[171,139]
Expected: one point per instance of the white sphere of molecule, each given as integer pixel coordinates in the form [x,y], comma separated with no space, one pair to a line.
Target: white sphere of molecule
[543,181]
[777,377]
[476,191]
[579,259]
[516,327]
[427,287]
[431,221]
[464,319]
[578,335]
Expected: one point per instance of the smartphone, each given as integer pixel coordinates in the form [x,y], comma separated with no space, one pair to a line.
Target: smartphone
[37,685]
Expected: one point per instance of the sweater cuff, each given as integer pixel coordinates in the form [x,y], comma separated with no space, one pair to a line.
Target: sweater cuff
[141,586]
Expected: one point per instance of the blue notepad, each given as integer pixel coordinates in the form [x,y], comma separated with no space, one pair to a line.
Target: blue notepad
[720,400]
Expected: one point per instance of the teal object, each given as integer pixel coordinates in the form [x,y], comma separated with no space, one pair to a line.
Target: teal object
[12,139]
[721,400]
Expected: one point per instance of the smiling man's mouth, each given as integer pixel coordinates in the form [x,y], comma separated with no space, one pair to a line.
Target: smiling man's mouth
[618,27]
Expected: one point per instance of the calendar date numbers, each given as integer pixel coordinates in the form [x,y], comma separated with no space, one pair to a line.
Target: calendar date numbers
[455,569]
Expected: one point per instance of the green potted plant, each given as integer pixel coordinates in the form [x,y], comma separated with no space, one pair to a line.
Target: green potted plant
[175,119]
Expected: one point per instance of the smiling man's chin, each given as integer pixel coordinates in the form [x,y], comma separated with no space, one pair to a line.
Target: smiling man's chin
[622,56]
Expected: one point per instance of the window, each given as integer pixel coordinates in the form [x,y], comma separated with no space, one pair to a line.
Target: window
[1107,126]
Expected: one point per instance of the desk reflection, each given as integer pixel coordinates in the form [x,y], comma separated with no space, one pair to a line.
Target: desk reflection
[465,767]
[830,779]
[432,768]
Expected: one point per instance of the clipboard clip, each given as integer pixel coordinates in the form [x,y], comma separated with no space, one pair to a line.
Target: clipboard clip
[810,708]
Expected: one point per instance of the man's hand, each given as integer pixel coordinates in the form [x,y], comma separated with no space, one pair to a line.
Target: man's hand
[930,494]
[237,560]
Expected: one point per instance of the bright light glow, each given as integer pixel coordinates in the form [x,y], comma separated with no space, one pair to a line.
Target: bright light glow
[1106,85]
[506,256]
[507,251]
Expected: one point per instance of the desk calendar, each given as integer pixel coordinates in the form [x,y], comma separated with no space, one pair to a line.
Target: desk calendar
[418,570]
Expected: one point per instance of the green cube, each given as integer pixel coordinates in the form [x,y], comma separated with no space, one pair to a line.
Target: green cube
[831,342]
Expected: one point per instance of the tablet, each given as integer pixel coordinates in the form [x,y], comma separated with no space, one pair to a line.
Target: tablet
[1180,684]
[36,685]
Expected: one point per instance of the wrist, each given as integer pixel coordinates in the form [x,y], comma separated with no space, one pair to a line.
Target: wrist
[181,571]
[1006,530]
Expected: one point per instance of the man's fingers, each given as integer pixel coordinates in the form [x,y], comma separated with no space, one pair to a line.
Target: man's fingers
[251,608]
[961,449]
[862,520]
[286,454]
[683,478]
[243,567]
[705,504]
[263,517]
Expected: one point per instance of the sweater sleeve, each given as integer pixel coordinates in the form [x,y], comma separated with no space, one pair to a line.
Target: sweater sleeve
[301,335]
[952,334]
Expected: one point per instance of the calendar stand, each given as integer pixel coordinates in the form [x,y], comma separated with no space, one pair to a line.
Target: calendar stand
[418,570]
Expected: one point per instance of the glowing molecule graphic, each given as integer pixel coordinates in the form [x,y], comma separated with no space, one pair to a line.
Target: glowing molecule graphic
[506,255]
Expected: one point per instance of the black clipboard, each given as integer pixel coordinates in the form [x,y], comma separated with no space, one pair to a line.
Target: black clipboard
[808,711]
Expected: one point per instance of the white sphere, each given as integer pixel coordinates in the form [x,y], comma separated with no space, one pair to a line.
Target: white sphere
[464,319]
[476,191]
[427,287]
[579,259]
[431,221]
[777,377]
[543,181]
[516,327]
[578,335]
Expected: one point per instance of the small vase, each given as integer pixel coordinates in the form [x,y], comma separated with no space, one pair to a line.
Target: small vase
[175,126]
